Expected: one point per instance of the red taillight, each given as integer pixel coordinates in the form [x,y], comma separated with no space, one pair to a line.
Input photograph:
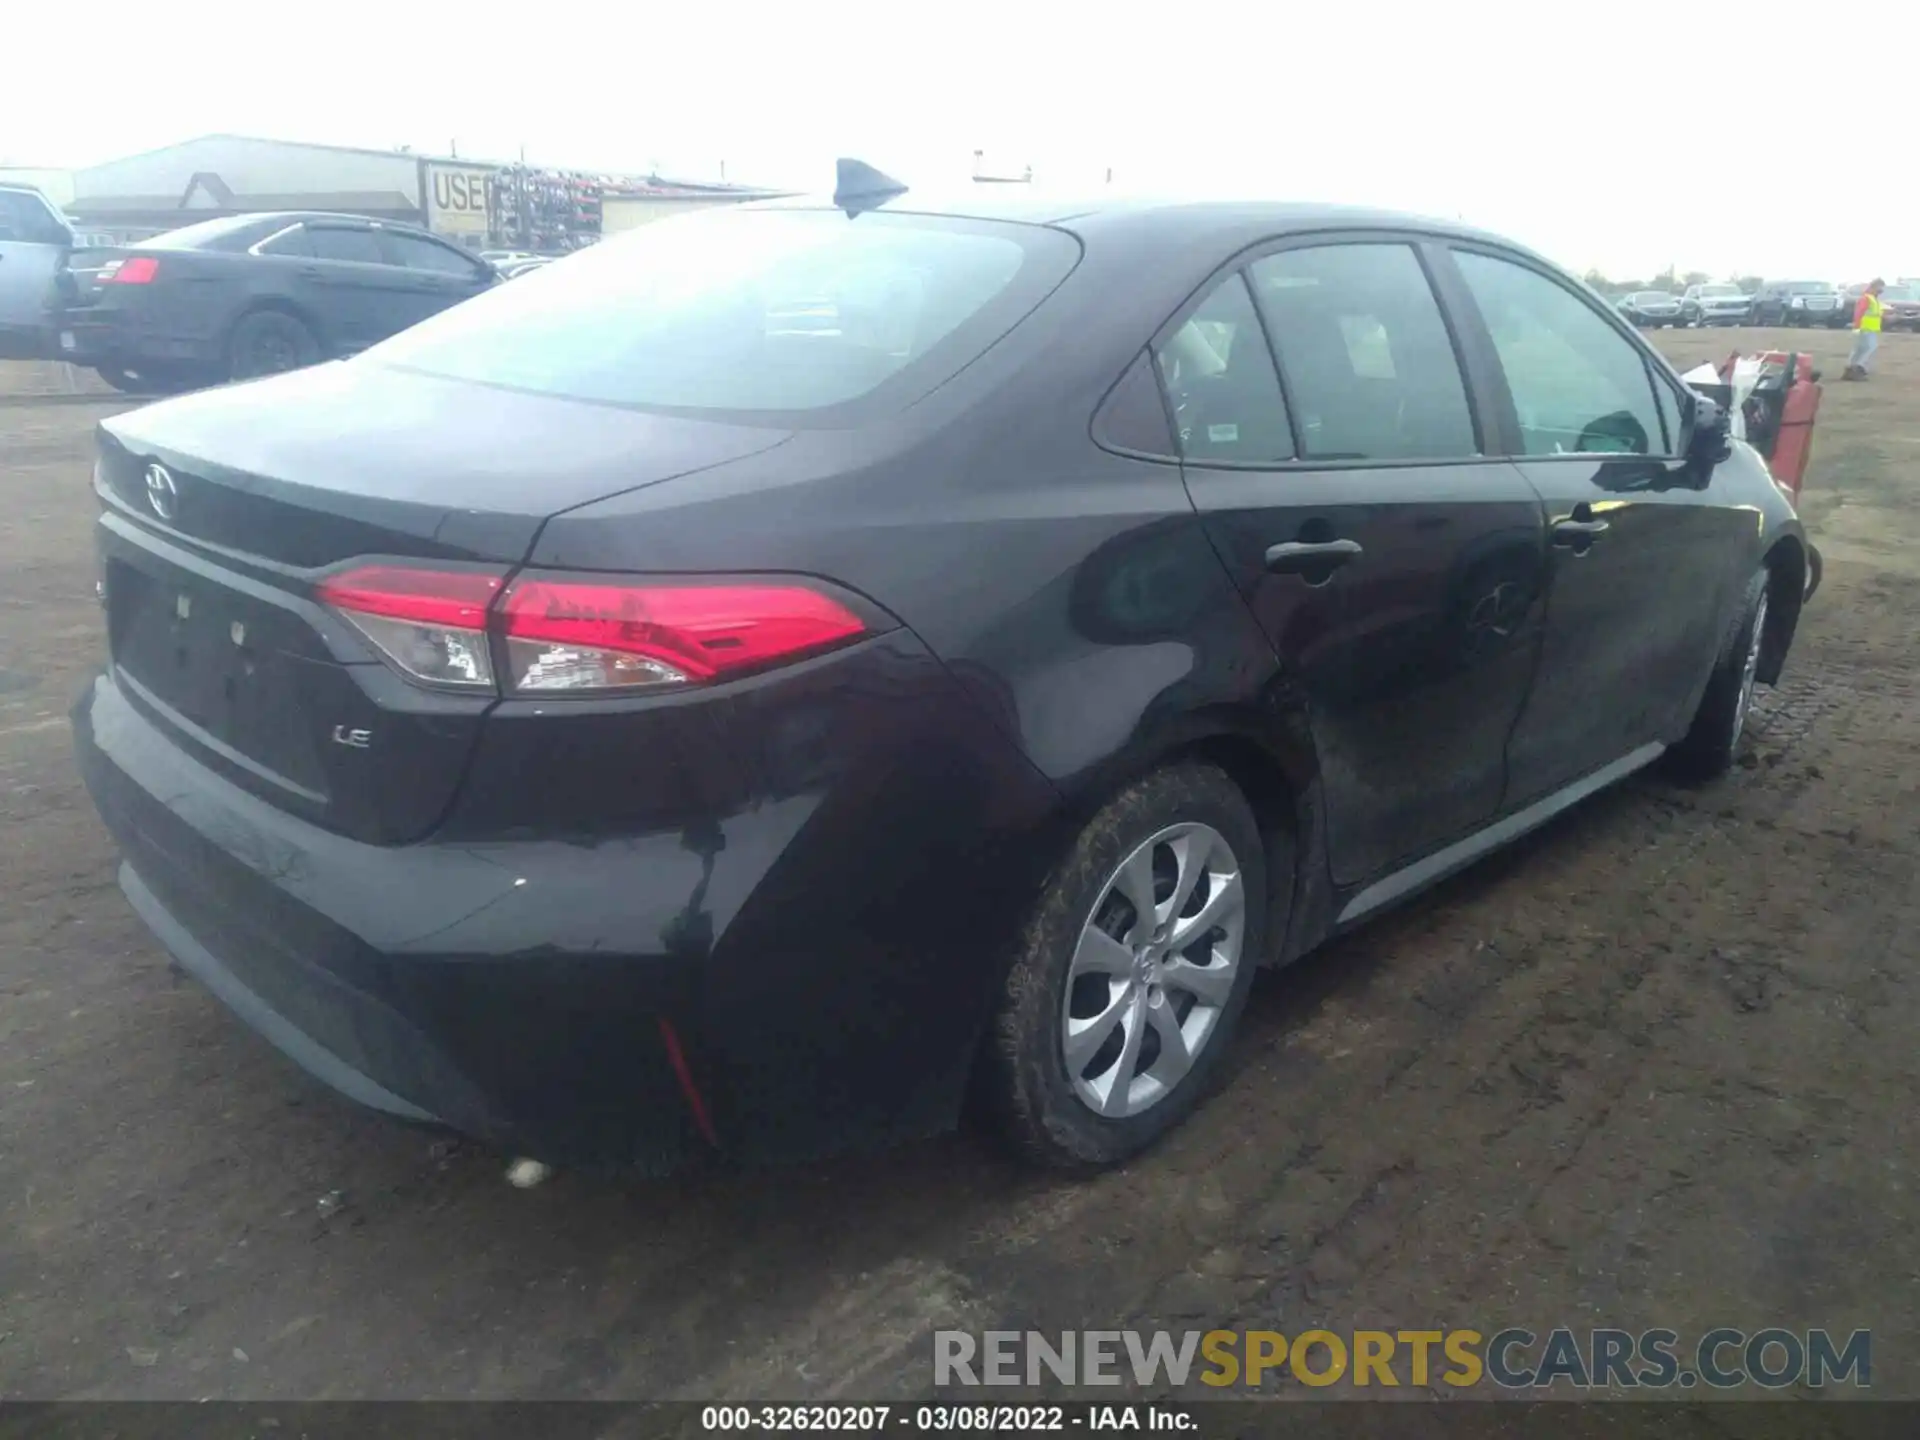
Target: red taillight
[135,270]
[432,624]
[566,633]
[572,634]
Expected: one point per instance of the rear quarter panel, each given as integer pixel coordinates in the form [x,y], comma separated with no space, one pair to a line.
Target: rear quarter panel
[1071,592]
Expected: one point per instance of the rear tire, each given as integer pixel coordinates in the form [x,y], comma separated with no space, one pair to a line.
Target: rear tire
[121,380]
[1147,1018]
[269,342]
[1710,746]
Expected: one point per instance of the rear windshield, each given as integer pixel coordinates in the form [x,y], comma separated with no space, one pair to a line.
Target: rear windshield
[770,311]
[219,234]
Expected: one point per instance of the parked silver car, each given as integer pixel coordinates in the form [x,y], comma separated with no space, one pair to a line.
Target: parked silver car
[35,240]
[1715,305]
[1650,309]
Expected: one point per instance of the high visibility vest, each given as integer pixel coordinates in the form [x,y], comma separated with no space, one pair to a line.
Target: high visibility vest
[1870,312]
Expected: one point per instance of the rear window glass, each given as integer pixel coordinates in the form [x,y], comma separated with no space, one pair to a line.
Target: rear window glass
[748,311]
[230,232]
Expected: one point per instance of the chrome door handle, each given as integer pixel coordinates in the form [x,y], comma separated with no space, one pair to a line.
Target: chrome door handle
[1295,556]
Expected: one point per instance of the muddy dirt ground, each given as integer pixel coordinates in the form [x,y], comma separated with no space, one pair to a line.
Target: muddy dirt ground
[1655,1067]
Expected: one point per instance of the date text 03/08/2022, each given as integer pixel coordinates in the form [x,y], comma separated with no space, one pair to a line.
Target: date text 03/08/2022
[945,1418]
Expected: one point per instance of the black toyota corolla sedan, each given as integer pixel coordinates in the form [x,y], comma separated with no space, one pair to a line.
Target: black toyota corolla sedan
[762,681]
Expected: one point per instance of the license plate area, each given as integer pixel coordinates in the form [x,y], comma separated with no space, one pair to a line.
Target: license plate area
[209,656]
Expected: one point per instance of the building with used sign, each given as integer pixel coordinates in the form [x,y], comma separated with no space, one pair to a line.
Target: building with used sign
[475,202]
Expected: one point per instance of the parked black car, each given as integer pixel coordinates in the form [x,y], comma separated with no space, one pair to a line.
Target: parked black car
[1650,309]
[608,722]
[1715,305]
[237,298]
[1797,302]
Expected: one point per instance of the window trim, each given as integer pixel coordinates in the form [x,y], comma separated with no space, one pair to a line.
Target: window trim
[386,233]
[1187,311]
[1652,362]
[370,229]
[259,247]
[1427,246]
[1142,357]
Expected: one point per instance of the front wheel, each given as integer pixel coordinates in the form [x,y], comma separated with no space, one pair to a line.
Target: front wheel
[1709,747]
[1132,973]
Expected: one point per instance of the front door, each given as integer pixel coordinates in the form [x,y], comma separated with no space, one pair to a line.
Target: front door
[1394,568]
[1643,565]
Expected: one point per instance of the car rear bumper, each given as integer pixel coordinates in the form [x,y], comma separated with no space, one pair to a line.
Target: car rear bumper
[350,959]
[123,339]
[27,342]
[810,974]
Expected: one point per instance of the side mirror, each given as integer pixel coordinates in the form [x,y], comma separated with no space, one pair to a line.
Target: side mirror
[1709,433]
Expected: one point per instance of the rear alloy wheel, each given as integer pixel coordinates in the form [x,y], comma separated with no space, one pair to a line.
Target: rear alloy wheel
[1710,746]
[269,342]
[1133,972]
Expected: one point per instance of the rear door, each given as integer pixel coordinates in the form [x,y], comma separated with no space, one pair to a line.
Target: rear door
[360,295]
[1643,558]
[33,246]
[440,274]
[1393,566]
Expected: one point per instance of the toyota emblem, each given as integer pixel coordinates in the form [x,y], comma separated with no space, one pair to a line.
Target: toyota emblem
[162,494]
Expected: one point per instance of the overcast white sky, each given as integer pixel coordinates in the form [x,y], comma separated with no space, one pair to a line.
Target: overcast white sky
[1622,134]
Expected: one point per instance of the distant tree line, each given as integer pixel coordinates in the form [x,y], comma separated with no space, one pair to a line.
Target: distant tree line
[1665,280]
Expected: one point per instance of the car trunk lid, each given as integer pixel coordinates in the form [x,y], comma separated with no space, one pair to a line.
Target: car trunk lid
[222,511]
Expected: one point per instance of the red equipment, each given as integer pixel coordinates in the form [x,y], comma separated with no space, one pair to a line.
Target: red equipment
[1779,414]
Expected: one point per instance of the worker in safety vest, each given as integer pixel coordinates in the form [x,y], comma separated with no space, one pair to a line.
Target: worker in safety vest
[1866,326]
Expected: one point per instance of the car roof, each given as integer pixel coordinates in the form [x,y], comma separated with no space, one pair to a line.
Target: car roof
[289,217]
[1172,217]
[262,223]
